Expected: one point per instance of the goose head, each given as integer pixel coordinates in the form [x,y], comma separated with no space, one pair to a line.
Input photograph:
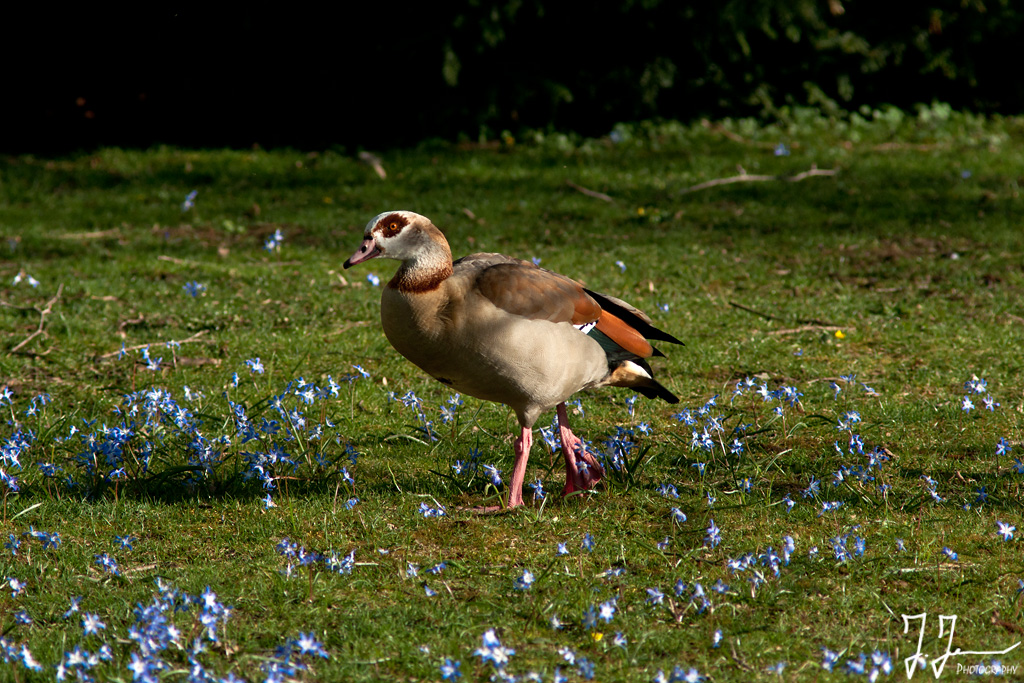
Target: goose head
[403,236]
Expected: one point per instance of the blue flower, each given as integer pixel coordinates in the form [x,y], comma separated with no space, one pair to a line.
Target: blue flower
[74,607]
[590,618]
[951,554]
[307,644]
[585,668]
[525,581]
[1005,530]
[494,473]
[493,651]
[781,150]
[668,490]
[91,624]
[373,280]
[678,516]
[194,288]
[450,669]
[27,660]
[655,596]
[606,610]
[108,564]
[588,542]
[829,659]
[714,536]
[428,511]
[17,587]
[976,385]
[829,506]
[274,242]
[190,201]
[255,365]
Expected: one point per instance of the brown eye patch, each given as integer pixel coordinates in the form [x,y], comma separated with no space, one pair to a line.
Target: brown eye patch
[392,224]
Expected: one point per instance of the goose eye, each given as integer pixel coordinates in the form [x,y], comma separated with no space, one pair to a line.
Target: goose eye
[393,227]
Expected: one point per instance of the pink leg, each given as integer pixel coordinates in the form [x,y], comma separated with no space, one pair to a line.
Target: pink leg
[522,450]
[572,449]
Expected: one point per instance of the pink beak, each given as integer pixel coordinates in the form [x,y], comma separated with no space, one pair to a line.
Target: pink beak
[366,252]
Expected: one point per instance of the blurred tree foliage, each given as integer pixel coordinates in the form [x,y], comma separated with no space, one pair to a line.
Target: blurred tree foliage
[555,64]
[384,74]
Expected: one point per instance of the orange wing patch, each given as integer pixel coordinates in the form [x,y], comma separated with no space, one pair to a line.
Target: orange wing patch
[624,335]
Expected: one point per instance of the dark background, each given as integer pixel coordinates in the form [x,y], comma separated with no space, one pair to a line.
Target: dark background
[383,74]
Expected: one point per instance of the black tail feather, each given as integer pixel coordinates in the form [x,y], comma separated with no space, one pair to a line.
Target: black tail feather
[656,390]
[629,317]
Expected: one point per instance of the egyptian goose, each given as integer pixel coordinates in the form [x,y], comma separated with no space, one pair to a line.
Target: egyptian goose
[508,331]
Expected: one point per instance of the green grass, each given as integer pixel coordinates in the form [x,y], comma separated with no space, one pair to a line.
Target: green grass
[904,268]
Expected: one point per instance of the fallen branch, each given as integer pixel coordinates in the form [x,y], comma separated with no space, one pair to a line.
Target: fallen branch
[722,130]
[740,662]
[811,328]
[208,264]
[43,312]
[901,146]
[590,193]
[193,338]
[768,316]
[95,235]
[745,177]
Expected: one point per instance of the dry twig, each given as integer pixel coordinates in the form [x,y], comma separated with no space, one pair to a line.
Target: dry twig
[374,161]
[43,312]
[193,338]
[768,316]
[745,177]
[719,128]
[809,328]
[590,193]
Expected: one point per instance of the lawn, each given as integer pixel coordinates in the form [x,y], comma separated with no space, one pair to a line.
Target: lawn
[215,467]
